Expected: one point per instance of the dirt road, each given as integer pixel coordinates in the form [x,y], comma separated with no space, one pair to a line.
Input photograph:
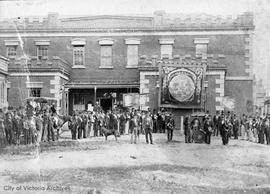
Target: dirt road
[96,166]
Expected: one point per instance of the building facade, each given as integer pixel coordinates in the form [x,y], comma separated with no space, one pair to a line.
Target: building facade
[3,82]
[83,60]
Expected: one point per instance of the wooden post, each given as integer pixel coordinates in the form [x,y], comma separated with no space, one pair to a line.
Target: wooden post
[95,95]
[160,84]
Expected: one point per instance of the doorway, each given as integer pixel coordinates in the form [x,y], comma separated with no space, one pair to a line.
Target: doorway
[106,104]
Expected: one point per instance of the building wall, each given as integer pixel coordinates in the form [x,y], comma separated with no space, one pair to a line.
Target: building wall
[18,90]
[3,82]
[242,92]
[3,91]
[232,46]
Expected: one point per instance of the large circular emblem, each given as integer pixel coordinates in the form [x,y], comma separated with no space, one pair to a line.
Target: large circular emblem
[181,87]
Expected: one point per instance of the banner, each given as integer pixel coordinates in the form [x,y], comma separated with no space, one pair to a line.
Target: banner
[228,103]
[131,100]
[181,86]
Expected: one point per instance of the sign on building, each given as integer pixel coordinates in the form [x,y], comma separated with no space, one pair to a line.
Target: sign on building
[131,100]
[181,85]
[228,103]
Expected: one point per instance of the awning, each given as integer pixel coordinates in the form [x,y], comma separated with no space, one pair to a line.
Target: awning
[102,84]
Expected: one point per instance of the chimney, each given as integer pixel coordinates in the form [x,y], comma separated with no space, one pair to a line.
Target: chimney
[53,20]
[159,17]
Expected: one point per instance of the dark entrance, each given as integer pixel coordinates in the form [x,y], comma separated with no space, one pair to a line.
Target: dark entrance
[106,104]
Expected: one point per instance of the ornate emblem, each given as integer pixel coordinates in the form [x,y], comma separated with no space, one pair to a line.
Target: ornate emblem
[181,86]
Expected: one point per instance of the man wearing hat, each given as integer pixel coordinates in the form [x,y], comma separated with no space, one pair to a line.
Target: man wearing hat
[170,125]
[133,126]
[208,129]
[148,127]
[9,128]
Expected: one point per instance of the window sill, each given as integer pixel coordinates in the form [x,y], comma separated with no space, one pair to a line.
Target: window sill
[132,67]
[109,67]
[78,67]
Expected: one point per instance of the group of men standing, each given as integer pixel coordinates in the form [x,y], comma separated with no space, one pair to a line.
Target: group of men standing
[31,125]
[134,122]
[28,125]
[255,129]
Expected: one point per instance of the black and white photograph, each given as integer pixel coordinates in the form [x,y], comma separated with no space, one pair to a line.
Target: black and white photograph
[134,96]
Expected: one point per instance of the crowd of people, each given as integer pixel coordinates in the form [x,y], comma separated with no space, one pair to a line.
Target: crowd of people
[133,122]
[251,128]
[29,125]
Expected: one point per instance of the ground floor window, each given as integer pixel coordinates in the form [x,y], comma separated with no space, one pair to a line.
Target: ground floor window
[34,92]
[107,98]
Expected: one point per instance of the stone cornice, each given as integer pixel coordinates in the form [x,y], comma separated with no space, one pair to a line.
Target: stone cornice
[150,29]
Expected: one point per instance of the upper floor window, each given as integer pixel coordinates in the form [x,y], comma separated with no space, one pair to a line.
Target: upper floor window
[11,46]
[106,53]
[166,48]
[106,56]
[132,52]
[201,45]
[78,52]
[42,48]
[11,51]
[42,51]
[78,55]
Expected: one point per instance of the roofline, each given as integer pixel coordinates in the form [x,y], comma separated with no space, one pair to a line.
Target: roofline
[106,16]
[150,29]
[4,58]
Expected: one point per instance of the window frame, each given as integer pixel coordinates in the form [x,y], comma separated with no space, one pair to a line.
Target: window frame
[39,52]
[201,42]
[162,55]
[74,58]
[134,57]
[130,42]
[38,90]
[101,65]
[15,51]
[166,42]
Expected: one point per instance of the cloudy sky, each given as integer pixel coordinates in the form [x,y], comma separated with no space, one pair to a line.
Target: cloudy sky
[15,8]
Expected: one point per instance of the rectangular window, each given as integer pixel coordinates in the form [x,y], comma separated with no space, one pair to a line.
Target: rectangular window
[201,50]
[11,51]
[166,50]
[78,55]
[132,56]
[34,92]
[106,56]
[42,51]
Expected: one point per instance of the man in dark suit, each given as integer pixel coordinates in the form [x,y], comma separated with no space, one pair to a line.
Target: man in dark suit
[215,123]
[148,127]
[170,127]
[208,127]
[187,130]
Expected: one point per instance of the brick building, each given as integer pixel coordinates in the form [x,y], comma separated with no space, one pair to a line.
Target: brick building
[3,81]
[82,60]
